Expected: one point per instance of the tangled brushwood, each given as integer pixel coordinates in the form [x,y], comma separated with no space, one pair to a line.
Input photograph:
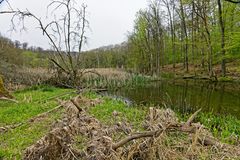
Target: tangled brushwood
[164,137]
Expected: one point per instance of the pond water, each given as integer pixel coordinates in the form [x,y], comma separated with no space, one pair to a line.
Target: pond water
[186,96]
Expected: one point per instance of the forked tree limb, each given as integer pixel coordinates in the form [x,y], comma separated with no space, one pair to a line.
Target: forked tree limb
[186,127]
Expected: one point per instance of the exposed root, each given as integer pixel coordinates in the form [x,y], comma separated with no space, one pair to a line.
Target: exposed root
[164,138]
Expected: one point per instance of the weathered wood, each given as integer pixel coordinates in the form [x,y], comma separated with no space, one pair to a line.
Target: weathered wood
[192,117]
[135,136]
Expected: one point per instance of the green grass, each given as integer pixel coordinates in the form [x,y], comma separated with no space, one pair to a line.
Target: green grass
[225,128]
[14,142]
[32,101]
[104,112]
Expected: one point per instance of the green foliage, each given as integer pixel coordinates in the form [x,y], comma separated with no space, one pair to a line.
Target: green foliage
[33,59]
[109,57]
[226,128]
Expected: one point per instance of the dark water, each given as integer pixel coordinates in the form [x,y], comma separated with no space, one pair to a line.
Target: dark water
[187,96]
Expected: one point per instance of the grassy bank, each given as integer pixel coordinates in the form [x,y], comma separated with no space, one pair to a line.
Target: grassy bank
[226,128]
[32,102]
[37,100]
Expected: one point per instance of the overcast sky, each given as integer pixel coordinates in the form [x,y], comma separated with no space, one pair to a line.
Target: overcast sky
[110,20]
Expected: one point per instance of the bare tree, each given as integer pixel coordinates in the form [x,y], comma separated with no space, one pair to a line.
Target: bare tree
[66,33]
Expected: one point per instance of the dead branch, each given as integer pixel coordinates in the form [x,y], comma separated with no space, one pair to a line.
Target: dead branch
[192,117]
[8,99]
[124,141]
[45,113]
[55,97]
[76,105]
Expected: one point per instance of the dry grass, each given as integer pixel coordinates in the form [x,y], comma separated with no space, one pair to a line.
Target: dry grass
[19,78]
[110,73]
[164,137]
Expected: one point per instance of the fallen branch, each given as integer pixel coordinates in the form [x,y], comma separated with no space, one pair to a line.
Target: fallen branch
[56,96]
[192,117]
[76,105]
[44,114]
[135,136]
[8,99]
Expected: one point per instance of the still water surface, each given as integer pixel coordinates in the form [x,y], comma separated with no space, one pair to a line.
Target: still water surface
[187,96]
